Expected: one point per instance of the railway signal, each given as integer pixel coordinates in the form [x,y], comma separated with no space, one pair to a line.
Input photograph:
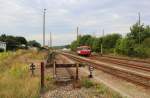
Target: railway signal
[32,68]
[91,68]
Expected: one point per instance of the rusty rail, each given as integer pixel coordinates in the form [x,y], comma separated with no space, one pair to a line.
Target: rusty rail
[126,59]
[122,63]
[124,74]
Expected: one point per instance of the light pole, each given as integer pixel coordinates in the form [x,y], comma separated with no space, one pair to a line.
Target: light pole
[77,33]
[102,43]
[139,27]
[44,27]
[50,40]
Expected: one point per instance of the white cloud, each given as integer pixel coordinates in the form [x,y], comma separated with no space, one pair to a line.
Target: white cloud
[24,17]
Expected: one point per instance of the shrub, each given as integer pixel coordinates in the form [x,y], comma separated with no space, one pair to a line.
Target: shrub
[101,89]
[141,51]
[106,92]
[87,83]
[1,50]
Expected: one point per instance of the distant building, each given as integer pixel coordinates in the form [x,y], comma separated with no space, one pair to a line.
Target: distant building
[3,45]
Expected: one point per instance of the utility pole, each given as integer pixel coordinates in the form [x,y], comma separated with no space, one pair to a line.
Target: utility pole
[77,32]
[44,27]
[77,36]
[139,27]
[102,43]
[50,43]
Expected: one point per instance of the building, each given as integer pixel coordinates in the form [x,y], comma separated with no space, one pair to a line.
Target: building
[3,45]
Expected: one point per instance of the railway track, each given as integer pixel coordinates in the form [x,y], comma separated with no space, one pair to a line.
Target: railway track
[123,63]
[126,59]
[131,76]
[64,75]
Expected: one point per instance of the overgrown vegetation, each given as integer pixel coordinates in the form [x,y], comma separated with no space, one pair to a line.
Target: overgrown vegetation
[106,92]
[34,43]
[15,76]
[86,83]
[17,42]
[135,43]
[98,89]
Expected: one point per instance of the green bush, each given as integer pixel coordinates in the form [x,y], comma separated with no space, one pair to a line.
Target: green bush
[87,83]
[101,89]
[106,92]
[146,42]
[1,50]
[125,46]
[141,51]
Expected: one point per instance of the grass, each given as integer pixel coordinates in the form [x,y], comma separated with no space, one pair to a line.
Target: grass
[106,92]
[87,83]
[16,80]
[15,77]
[98,89]
[6,59]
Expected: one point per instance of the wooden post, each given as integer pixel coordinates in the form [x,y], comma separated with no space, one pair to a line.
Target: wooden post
[76,83]
[42,75]
[77,71]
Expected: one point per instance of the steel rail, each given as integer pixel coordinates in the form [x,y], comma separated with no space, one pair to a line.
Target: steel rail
[123,63]
[124,74]
[126,59]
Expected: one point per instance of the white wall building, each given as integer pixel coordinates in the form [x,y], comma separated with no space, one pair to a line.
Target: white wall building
[3,45]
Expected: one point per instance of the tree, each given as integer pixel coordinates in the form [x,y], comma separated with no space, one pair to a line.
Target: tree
[21,40]
[34,43]
[13,42]
[96,46]
[109,42]
[139,32]
[125,46]
[85,40]
[82,40]
[3,38]
[74,45]
[146,42]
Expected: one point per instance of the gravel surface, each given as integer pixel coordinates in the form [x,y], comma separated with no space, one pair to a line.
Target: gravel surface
[69,92]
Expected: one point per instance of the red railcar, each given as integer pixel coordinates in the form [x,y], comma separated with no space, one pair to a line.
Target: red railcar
[84,50]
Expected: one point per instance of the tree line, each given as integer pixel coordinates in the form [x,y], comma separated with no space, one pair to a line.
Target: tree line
[17,42]
[135,43]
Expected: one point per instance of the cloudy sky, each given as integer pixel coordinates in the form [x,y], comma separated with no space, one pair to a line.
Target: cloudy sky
[24,17]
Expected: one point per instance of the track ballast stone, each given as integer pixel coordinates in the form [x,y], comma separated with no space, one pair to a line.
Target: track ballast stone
[69,92]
